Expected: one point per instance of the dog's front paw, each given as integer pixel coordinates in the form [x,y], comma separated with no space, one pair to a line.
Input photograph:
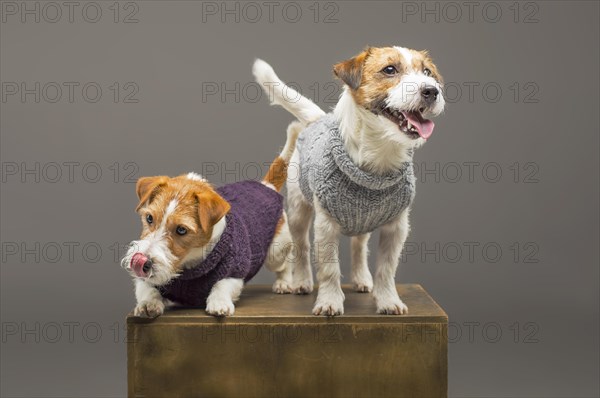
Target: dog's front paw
[329,305]
[328,309]
[220,306]
[303,287]
[282,287]
[149,309]
[391,307]
[362,281]
[363,287]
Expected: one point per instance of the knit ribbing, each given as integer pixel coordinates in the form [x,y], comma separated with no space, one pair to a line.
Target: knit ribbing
[358,200]
[242,247]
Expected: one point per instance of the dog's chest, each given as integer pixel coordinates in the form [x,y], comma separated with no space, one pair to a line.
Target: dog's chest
[360,202]
[360,211]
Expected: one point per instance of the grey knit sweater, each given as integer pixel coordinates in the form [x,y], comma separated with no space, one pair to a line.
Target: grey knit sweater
[358,200]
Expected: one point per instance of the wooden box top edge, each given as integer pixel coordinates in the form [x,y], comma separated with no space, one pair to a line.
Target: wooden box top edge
[258,304]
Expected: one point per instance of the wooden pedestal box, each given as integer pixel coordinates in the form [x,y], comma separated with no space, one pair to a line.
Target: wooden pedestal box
[274,347]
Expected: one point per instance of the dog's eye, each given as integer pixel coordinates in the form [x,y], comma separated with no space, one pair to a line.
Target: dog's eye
[181,230]
[149,218]
[390,70]
[426,72]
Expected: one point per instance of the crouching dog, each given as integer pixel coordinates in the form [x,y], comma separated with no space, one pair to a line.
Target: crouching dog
[199,245]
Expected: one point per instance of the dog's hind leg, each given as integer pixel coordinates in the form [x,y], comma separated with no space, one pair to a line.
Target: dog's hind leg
[361,276]
[300,214]
[277,257]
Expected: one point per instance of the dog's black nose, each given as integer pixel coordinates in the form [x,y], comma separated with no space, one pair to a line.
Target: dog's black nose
[429,94]
[147,266]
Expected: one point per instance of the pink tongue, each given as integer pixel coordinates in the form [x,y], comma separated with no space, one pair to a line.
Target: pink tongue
[137,263]
[424,126]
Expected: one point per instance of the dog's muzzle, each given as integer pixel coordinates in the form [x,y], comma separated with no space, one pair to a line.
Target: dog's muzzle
[141,265]
[429,94]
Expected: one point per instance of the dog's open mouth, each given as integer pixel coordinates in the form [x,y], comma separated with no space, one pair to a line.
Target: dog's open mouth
[411,123]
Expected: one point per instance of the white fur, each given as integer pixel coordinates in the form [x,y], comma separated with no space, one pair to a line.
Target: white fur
[171,207]
[222,296]
[406,95]
[373,142]
[406,54]
[293,130]
[195,177]
[150,303]
[278,259]
[281,94]
[330,298]
[300,216]
[154,246]
[361,276]
[391,241]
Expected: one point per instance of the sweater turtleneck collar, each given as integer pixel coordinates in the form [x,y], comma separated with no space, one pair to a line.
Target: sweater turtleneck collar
[219,251]
[359,176]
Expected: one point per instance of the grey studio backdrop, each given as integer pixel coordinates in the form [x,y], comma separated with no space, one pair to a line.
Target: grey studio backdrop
[505,223]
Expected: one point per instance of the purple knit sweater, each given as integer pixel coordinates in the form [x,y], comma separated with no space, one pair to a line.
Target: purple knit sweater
[242,248]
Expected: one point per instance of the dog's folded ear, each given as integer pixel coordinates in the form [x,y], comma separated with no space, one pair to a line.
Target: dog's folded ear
[350,71]
[211,208]
[147,188]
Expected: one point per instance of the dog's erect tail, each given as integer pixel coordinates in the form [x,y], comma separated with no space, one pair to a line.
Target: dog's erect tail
[280,94]
[277,173]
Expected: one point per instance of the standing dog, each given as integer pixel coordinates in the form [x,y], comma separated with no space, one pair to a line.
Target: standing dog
[356,172]
[199,245]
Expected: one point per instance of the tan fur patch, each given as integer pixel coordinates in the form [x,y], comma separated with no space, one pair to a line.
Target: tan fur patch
[147,187]
[350,71]
[199,207]
[375,84]
[372,91]
[280,224]
[277,173]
